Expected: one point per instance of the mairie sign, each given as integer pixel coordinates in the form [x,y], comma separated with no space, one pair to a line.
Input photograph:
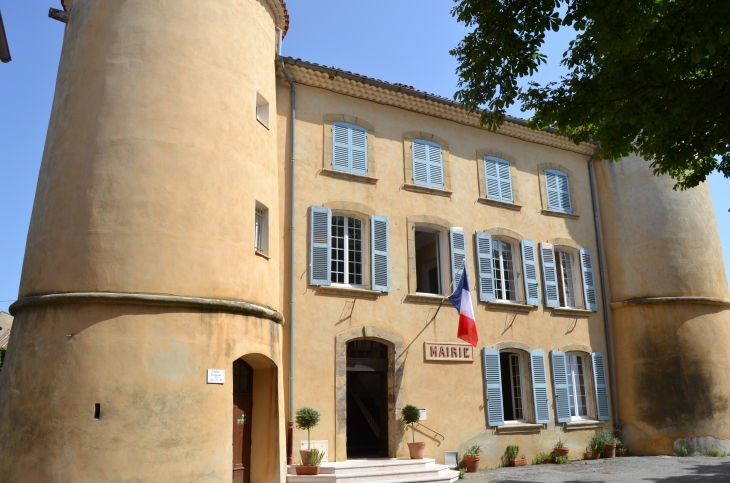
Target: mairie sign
[448,351]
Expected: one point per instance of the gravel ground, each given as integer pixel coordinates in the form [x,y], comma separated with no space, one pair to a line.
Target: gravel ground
[663,469]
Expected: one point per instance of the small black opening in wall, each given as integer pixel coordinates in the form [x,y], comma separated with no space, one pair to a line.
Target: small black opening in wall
[97,411]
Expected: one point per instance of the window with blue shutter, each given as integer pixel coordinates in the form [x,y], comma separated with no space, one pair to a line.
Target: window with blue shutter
[498,179]
[539,387]
[428,167]
[560,387]
[558,191]
[493,387]
[319,245]
[457,239]
[485,267]
[589,284]
[349,148]
[599,382]
[549,275]
[529,270]
[379,227]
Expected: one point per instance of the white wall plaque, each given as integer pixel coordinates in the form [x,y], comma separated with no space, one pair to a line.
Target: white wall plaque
[216,376]
[320,444]
[424,414]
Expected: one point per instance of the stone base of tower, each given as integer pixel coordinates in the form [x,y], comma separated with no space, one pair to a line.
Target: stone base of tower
[98,392]
[673,375]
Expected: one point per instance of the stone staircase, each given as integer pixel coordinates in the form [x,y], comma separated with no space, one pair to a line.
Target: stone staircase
[383,470]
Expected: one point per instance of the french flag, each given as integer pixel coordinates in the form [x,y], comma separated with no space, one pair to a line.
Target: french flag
[461,299]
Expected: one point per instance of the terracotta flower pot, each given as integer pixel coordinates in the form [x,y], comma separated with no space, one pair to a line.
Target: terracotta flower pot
[472,463]
[547,461]
[307,470]
[610,451]
[620,453]
[561,451]
[417,450]
[591,456]
[304,454]
[518,462]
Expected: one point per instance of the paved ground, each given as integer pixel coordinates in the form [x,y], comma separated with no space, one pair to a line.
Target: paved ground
[660,469]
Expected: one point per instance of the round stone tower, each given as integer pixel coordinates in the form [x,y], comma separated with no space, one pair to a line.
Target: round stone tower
[670,310]
[143,266]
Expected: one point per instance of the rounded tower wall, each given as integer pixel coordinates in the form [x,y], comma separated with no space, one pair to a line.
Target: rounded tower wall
[155,159]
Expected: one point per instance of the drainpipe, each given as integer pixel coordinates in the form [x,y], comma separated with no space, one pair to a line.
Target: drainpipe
[597,224]
[290,423]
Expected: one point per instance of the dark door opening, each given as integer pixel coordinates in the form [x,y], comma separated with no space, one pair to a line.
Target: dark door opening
[242,413]
[367,399]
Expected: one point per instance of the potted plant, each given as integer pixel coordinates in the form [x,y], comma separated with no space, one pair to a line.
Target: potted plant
[306,418]
[621,449]
[511,455]
[314,460]
[411,415]
[609,441]
[542,459]
[560,450]
[595,448]
[472,457]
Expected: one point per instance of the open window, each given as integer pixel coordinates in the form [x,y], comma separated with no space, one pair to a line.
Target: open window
[568,277]
[261,229]
[579,384]
[513,387]
[499,261]
[437,250]
[262,110]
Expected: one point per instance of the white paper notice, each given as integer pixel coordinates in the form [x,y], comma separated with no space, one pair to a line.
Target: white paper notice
[216,376]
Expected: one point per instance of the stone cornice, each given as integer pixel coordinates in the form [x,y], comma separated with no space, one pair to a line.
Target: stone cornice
[216,305]
[672,300]
[403,97]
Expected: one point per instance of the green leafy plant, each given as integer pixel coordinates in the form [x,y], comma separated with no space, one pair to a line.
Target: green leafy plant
[683,451]
[462,472]
[715,452]
[241,420]
[621,448]
[560,460]
[559,444]
[511,452]
[474,450]
[411,415]
[307,418]
[540,458]
[315,457]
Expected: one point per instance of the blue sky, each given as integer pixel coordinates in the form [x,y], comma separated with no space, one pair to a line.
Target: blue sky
[405,41]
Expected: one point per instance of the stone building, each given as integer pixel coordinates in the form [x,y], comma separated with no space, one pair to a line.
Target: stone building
[220,231]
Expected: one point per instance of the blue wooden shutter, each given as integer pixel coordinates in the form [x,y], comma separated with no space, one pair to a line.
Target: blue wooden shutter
[599,381]
[420,163]
[505,181]
[560,387]
[549,275]
[319,245]
[485,266]
[529,270]
[435,166]
[558,191]
[493,387]
[539,387]
[589,285]
[380,262]
[457,240]
[359,152]
[491,173]
[564,189]
[341,148]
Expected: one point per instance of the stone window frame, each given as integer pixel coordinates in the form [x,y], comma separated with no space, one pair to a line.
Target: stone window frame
[327,168]
[523,350]
[591,404]
[362,213]
[571,188]
[434,222]
[408,183]
[514,238]
[396,362]
[482,178]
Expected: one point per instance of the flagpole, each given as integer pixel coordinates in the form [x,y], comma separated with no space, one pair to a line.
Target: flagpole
[461,265]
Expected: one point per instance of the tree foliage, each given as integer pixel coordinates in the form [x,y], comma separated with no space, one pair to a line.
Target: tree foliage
[645,76]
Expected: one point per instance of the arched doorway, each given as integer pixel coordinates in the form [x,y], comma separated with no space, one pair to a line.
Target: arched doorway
[242,420]
[367,399]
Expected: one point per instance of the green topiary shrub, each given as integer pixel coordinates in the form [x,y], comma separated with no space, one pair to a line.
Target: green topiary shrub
[411,415]
[307,418]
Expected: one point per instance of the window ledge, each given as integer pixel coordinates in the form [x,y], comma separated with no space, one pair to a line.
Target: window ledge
[522,428]
[425,298]
[510,307]
[351,292]
[572,312]
[560,214]
[262,254]
[583,424]
[349,176]
[500,204]
[427,190]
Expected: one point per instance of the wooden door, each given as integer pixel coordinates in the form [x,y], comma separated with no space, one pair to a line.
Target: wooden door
[242,418]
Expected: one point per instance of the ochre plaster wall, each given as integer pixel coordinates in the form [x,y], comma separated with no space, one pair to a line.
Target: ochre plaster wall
[670,324]
[451,392]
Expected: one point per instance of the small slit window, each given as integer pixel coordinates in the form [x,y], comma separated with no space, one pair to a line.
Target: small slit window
[261,229]
[262,110]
